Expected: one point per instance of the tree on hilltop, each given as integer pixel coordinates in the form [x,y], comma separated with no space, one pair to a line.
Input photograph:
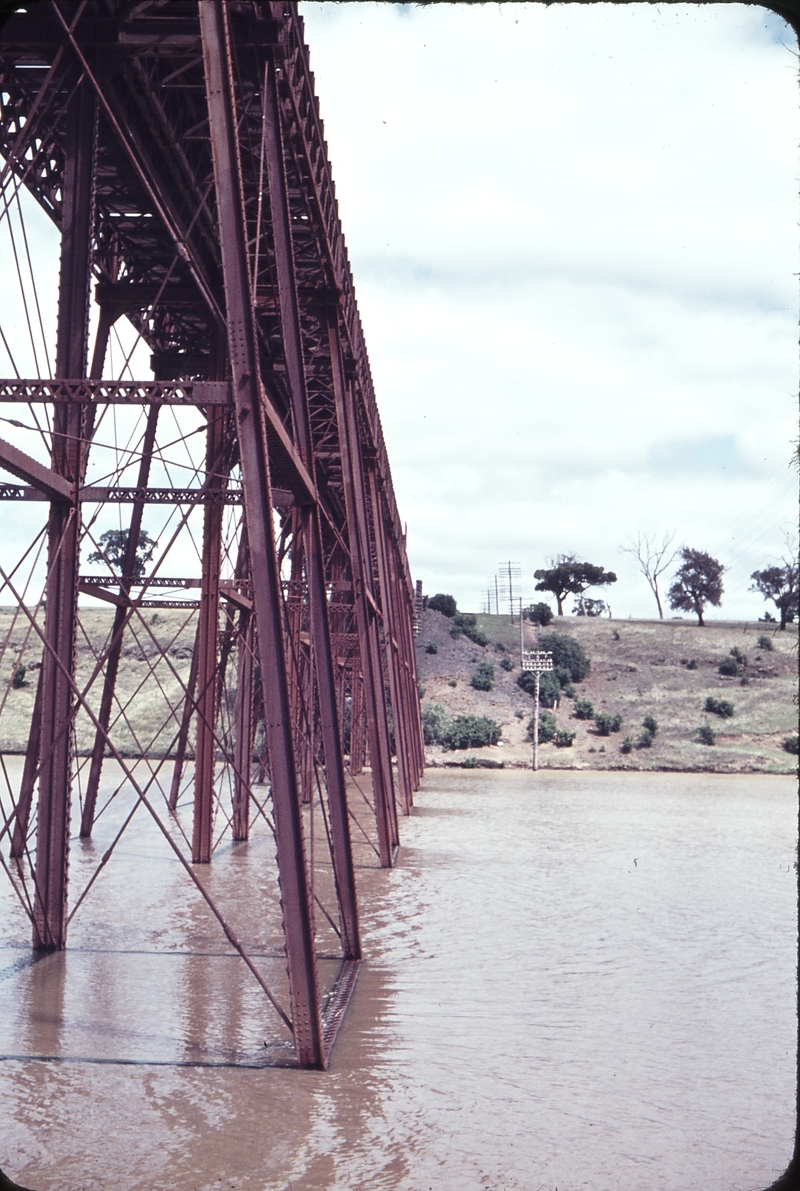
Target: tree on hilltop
[653,557]
[113,548]
[698,581]
[566,575]
[780,584]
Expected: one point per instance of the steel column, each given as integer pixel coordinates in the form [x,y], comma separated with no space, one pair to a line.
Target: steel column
[315,568]
[244,361]
[52,840]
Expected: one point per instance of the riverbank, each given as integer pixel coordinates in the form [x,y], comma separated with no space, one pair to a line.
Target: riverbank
[664,669]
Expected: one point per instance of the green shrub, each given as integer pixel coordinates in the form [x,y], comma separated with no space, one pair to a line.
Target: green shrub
[483,678]
[469,763]
[740,657]
[431,647]
[547,727]
[506,664]
[520,714]
[455,632]
[646,738]
[627,745]
[584,710]
[445,604]
[691,664]
[729,667]
[549,687]
[18,677]
[791,745]
[705,734]
[499,647]
[605,723]
[540,614]
[765,642]
[563,739]
[452,682]
[567,652]
[720,707]
[471,731]
[435,722]
[615,635]
[468,624]
[650,725]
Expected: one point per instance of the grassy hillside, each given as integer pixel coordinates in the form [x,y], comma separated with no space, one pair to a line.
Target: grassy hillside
[638,668]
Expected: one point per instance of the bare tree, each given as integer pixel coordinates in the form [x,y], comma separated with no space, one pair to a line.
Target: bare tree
[653,557]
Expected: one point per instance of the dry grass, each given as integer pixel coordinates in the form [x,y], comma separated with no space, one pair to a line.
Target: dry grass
[639,668]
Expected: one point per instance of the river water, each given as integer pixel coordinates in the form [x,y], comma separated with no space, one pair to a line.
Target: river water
[573,980]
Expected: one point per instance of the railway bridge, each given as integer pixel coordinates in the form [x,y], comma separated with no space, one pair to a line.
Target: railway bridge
[242,496]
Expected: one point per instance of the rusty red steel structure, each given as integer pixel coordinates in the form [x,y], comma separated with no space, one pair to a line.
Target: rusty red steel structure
[179,149]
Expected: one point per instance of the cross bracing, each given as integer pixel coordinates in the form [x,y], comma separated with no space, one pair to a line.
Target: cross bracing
[234,516]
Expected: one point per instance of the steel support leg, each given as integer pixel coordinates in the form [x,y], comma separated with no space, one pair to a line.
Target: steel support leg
[244,360]
[243,713]
[207,634]
[315,566]
[52,839]
[372,671]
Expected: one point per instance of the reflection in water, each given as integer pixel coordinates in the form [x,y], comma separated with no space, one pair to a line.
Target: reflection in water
[578,980]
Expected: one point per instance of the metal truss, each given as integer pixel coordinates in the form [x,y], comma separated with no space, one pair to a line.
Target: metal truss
[178,148]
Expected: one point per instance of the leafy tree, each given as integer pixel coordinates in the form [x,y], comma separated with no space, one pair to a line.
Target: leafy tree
[445,604]
[780,584]
[540,614]
[566,575]
[654,558]
[113,546]
[698,582]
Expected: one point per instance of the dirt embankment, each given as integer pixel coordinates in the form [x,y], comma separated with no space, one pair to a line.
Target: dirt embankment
[638,668]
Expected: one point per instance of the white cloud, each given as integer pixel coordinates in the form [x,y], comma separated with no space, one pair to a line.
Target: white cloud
[573,232]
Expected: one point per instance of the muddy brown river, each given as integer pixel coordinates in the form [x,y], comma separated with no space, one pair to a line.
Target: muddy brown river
[573,980]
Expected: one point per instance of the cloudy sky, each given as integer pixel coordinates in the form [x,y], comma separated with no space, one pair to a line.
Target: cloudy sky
[573,231]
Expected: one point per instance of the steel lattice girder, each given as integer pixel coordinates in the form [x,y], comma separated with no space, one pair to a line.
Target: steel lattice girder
[179,150]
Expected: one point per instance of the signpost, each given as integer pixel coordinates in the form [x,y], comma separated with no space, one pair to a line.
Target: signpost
[538,661]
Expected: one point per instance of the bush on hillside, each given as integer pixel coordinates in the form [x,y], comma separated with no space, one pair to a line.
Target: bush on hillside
[765,642]
[584,709]
[506,664]
[445,604]
[627,745]
[605,723]
[471,731]
[549,687]
[705,734]
[564,739]
[729,667]
[792,745]
[469,627]
[431,647]
[740,657]
[483,678]
[567,653]
[18,677]
[547,727]
[540,614]
[435,721]
[720,707]
[650,725]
